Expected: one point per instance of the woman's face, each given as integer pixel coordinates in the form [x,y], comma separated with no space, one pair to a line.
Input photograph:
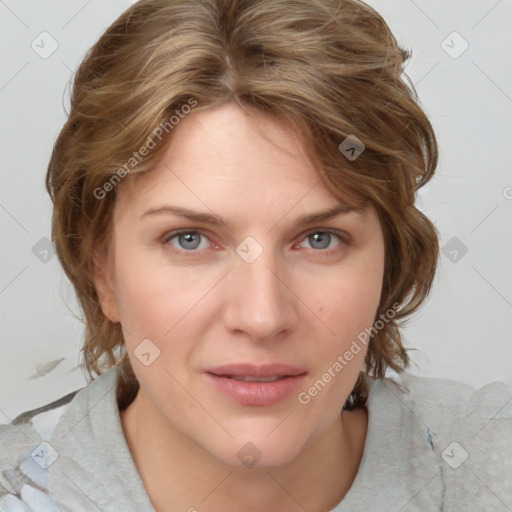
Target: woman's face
[230,323]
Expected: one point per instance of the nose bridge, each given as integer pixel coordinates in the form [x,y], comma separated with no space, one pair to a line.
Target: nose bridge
[261,304]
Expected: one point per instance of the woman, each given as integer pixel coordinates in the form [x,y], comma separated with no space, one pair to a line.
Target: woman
[234,204]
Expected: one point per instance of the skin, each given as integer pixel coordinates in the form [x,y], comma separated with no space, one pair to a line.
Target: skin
[206,307]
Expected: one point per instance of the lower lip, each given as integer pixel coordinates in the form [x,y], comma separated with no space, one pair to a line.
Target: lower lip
[257,393]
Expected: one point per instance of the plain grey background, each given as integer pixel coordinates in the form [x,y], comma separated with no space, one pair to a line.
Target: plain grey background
[462,69]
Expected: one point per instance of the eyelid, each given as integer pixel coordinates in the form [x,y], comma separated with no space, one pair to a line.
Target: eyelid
[176,232]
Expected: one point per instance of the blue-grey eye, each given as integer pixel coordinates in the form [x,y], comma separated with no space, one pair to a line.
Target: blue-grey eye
[320,240]
[187,240]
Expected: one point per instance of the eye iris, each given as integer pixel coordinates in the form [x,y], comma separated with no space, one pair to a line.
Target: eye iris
[323,239]
[189,240]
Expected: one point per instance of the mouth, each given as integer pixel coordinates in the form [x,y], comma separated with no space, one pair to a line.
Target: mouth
[256,385]
[247,378]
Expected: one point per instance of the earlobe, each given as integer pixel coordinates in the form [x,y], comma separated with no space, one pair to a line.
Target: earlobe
[105,287]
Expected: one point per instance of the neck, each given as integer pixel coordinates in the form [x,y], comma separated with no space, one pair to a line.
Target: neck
[179,475]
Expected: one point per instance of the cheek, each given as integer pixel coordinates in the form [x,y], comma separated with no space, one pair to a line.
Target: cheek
[143,293]
[158,301]
[348,306]
[349,301]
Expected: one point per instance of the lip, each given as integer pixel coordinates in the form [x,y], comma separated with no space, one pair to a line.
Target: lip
[253,370]
[256,393]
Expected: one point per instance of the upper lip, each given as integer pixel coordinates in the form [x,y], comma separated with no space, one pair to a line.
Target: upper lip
[251,370]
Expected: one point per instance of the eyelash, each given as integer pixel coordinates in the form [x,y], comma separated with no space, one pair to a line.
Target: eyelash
[344,239]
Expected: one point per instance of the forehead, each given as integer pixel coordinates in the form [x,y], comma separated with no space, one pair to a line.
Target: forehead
[227,142]
[225,160]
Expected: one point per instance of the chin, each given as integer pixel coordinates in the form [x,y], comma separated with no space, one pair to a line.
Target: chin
[258,449]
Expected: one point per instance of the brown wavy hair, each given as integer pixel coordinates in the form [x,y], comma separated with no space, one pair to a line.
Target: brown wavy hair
[328,68]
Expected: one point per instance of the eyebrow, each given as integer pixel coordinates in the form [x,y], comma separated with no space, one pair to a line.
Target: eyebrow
[215,220]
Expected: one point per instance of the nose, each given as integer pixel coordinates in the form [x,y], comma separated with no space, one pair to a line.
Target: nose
[261,302]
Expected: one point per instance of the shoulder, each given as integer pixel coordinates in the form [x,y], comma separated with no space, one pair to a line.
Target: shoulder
[467,431]
[449,399]
[434,444]
[449,405]
[447,389]
[36,442]
[26,456]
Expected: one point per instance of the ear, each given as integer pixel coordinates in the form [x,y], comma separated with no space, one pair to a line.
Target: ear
[103,280]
